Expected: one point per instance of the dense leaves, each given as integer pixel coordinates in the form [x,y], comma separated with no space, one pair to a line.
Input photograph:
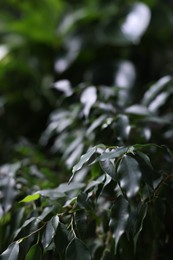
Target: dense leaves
[86,130]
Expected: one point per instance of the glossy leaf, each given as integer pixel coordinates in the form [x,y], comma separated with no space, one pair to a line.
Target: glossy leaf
[108,167]
[84,159]
[81,222]
[11,253]
[51,194]
[49,232]
[122,127]
[67,187]
[84,202]
[29,222]
[155,89]
[35,252]
[129,176]
[139,223]
[119,219]
[145,166]
[96,124]
[114,153]
[77,250]
[61,240]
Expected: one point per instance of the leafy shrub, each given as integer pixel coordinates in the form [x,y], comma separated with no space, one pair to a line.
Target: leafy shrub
[107,90]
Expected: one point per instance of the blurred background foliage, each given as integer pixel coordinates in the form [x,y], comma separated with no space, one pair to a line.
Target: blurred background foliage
[74,74]
[89,41]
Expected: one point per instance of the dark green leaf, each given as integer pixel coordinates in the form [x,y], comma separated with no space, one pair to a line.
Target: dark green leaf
[108,167]
[145,166]
[81,222]
[61,240]
[84,202]
[119,218]
[84,159]
[139,223]
[122,127]
[129,176]
[11,253]
[49,232]
[28,223]
[77,250]
[35,252]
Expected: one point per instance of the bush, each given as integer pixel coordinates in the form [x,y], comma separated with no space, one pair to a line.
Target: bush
[81,72]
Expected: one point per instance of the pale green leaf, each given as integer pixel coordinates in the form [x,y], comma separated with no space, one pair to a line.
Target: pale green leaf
[31,198]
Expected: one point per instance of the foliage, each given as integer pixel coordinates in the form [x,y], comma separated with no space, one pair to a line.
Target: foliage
[96,183]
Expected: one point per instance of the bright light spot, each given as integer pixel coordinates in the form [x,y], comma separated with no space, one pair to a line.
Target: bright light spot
[88,99]
[64,86]
[136,22]
[131,192]
[61,65]
[125,75]
[3,51]
[158,101]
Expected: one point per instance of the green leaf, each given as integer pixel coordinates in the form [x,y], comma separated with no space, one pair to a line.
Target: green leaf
[95,124]
[31,198]
[66,187]
[139,110]
[145,166]
[29,222]
[84,159]
[129,176]
[155,89]
[52,194]
[49,232]
[35,252]
[61,240]
[108,167]
[84,202]
[114,153]
[77,250]
[81,222]
[119,219]
[139,224]
[122,127]
[11,253]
